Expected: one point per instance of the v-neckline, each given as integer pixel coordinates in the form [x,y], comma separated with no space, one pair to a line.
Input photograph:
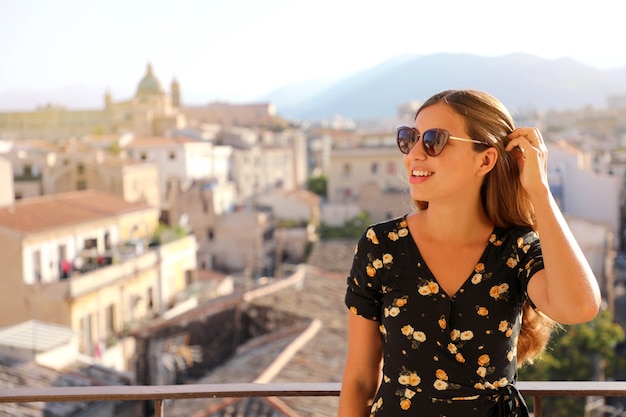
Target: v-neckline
[425,266]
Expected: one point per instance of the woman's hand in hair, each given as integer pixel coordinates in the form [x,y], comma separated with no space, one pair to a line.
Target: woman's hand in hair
[531,154]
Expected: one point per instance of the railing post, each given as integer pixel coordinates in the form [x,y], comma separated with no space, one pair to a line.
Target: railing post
[158,408]
[537,409]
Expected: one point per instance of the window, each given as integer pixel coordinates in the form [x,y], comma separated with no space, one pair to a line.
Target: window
[347,169]
[81,185]
[150,299]
[374,168]
[172,155]
[80,169]
[37,265]
[110,320]
[90,243]
[86,345]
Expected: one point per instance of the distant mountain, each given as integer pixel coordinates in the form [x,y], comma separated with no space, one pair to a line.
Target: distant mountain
[521,81]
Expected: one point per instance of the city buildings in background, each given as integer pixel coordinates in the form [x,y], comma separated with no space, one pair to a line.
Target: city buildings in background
[160,241]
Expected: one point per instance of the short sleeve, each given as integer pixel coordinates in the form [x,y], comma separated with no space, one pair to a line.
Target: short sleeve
[530,259]
[363,295]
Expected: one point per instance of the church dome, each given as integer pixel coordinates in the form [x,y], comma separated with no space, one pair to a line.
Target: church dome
[149,85]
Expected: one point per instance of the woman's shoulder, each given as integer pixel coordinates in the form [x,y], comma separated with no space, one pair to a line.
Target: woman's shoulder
[513,234]
[391,225]
[388,231]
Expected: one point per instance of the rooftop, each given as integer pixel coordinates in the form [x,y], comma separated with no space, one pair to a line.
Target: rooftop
[38,214]
[35,336]
[311,350]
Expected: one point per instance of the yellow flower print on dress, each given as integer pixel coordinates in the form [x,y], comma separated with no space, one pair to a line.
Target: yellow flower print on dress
[502,382]
[415,336]
[520,244]
[442,322]
[484,360]
[426,287]
[506,328]
[493,239]
[511,262]
[467,335]
[371,235]
[398,233]
[500,291]
[441,374]
[394,309]
[480,274]
[442,383]
[375,264]
[410,380]
[482,311]
[483,368]
[461,335]
[376,406]
[459,339]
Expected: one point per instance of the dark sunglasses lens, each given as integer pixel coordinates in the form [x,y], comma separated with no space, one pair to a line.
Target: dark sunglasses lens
[434,141]
[404,139]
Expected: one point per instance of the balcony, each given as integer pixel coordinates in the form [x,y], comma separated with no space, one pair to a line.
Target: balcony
[160,393]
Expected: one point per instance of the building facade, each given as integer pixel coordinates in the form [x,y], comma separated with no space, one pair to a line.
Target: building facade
[83,260]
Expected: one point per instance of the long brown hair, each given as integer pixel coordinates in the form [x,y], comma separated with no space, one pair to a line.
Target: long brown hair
[504,200]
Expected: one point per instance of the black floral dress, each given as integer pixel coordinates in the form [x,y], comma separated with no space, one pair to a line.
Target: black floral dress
[452,356]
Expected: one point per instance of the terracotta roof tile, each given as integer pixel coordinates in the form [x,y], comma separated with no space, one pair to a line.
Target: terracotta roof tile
[333,255]
[318,298]
[142,142]
[61,210]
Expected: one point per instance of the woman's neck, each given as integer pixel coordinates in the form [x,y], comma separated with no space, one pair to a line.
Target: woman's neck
[453,225]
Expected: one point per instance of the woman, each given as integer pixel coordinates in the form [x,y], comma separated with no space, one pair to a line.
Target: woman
[446,302]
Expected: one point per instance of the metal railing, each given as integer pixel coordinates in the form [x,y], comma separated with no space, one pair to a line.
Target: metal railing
[160,393]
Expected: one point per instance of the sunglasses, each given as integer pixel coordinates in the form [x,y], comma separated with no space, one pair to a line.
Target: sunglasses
[433,140]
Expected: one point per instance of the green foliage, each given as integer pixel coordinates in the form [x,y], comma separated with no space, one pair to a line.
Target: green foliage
[165,234]
[317,185]
[290,223]
[114,148]
[577,353]
[352,228]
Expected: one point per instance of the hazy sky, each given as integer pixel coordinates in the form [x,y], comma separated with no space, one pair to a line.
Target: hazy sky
[242,49]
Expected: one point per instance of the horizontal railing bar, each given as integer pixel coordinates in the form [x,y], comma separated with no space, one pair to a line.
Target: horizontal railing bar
[240,390]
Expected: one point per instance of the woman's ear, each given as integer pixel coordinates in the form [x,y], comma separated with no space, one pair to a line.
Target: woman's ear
[487,160]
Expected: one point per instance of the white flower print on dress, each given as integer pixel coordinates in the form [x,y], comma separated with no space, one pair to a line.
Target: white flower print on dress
[408,379]
[427,287]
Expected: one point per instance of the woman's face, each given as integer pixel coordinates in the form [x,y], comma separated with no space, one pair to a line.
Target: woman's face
[448,176]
